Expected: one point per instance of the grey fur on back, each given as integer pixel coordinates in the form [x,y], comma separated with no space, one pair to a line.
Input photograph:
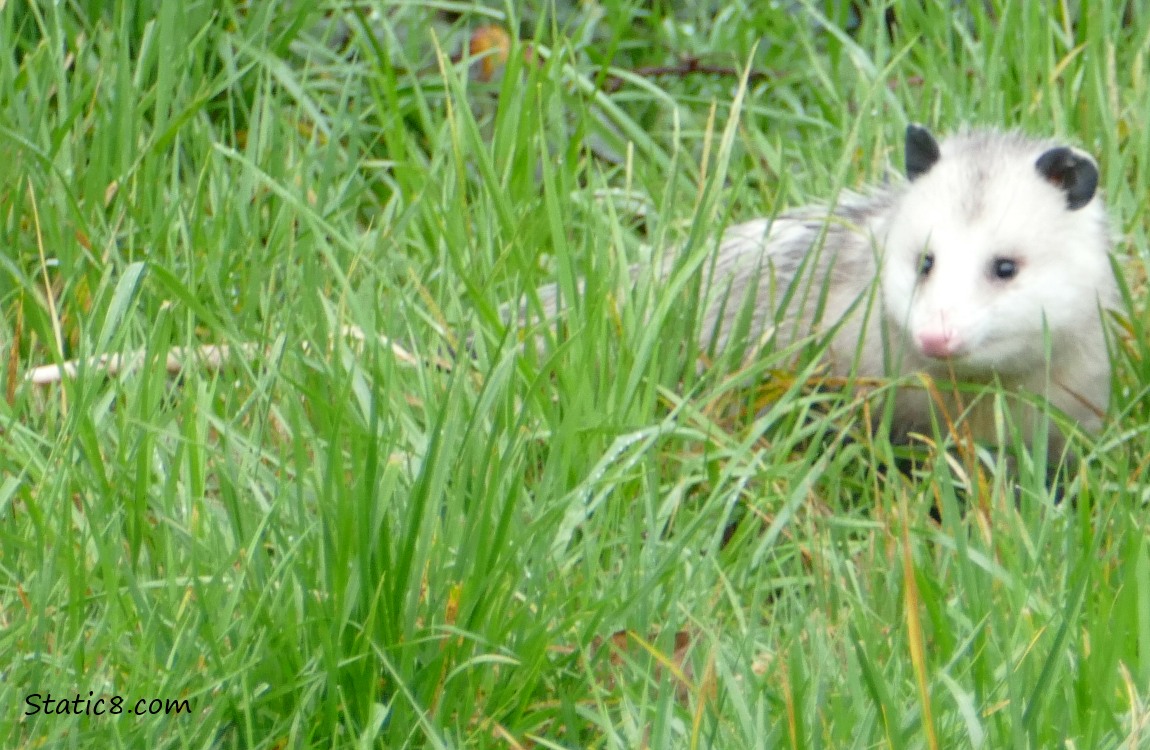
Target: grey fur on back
[974,202]
[764,257]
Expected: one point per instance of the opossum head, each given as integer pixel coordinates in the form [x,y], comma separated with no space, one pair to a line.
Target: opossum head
[997,245]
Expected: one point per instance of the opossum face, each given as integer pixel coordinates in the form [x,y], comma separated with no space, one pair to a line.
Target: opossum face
[996,245]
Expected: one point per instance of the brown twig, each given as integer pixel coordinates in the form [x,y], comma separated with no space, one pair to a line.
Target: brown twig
[688,66]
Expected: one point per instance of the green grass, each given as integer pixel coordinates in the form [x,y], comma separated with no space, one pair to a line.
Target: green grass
[326,545]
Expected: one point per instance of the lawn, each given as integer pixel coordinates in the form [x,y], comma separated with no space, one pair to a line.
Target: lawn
[372,517]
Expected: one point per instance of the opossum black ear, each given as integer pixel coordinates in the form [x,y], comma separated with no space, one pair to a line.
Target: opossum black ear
[921,151]
[1072,173]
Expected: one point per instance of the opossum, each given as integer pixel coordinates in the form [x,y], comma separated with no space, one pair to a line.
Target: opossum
[989,263]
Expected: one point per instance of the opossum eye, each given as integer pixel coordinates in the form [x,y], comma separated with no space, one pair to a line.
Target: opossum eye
[925,263]
[1004,269]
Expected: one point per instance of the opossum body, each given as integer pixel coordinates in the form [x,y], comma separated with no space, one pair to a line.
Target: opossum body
[990,263]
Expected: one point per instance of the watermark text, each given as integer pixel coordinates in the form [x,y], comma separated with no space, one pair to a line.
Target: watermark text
[103,705]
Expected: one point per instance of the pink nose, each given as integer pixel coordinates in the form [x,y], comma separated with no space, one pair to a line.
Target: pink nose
[939,344]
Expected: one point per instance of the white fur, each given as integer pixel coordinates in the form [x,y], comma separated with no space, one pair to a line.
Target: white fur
[999,329]
[984,199]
